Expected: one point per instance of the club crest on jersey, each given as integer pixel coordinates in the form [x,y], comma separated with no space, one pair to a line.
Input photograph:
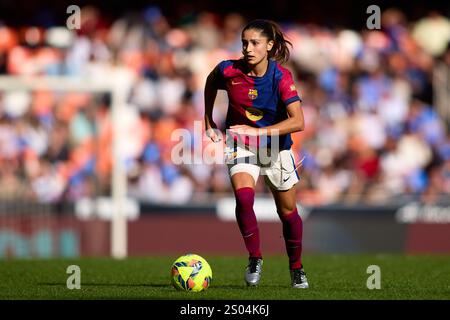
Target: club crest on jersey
[252,94]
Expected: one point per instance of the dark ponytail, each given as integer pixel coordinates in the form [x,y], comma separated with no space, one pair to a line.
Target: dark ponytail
[280,50]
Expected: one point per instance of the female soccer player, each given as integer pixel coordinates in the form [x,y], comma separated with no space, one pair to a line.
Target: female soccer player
[264,109]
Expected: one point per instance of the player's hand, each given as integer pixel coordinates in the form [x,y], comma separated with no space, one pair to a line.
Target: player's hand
[212,132]
[244,129]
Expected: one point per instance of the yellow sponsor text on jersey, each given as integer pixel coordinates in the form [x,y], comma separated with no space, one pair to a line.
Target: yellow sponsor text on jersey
[254,114]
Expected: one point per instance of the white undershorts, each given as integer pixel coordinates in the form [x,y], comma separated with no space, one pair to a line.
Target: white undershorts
[280,172]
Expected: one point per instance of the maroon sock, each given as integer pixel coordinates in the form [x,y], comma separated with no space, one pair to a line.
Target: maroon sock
[292,233]
[246,219]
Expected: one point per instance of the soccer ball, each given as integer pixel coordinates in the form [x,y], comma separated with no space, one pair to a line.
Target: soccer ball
[191,273]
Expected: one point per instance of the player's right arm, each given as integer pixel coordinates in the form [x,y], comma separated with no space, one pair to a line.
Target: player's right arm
[210,97]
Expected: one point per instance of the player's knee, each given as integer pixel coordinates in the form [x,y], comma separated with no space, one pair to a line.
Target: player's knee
[286,212]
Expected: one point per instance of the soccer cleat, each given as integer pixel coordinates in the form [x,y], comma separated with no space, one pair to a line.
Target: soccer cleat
[253,271]
[298,279]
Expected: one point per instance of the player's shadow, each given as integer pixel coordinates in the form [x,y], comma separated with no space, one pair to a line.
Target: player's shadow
[96,284]
[241,287]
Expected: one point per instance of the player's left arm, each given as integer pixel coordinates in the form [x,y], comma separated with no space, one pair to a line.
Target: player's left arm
[295,122]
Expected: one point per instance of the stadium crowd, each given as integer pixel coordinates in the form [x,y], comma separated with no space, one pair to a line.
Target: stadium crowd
[373,131]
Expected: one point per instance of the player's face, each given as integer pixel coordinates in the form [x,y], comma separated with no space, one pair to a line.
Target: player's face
[255,46]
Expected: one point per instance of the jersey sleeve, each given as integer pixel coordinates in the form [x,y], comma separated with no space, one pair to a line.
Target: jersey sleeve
[288,91]
[218,77]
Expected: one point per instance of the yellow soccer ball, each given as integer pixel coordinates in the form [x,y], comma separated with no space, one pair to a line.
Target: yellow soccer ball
[191,272]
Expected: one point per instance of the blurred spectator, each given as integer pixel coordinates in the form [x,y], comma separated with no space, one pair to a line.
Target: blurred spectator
[432,33]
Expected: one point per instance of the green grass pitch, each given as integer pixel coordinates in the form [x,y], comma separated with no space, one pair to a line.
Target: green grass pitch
[330,277]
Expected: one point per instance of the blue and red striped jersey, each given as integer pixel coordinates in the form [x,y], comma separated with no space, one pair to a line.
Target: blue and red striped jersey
[257,101]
